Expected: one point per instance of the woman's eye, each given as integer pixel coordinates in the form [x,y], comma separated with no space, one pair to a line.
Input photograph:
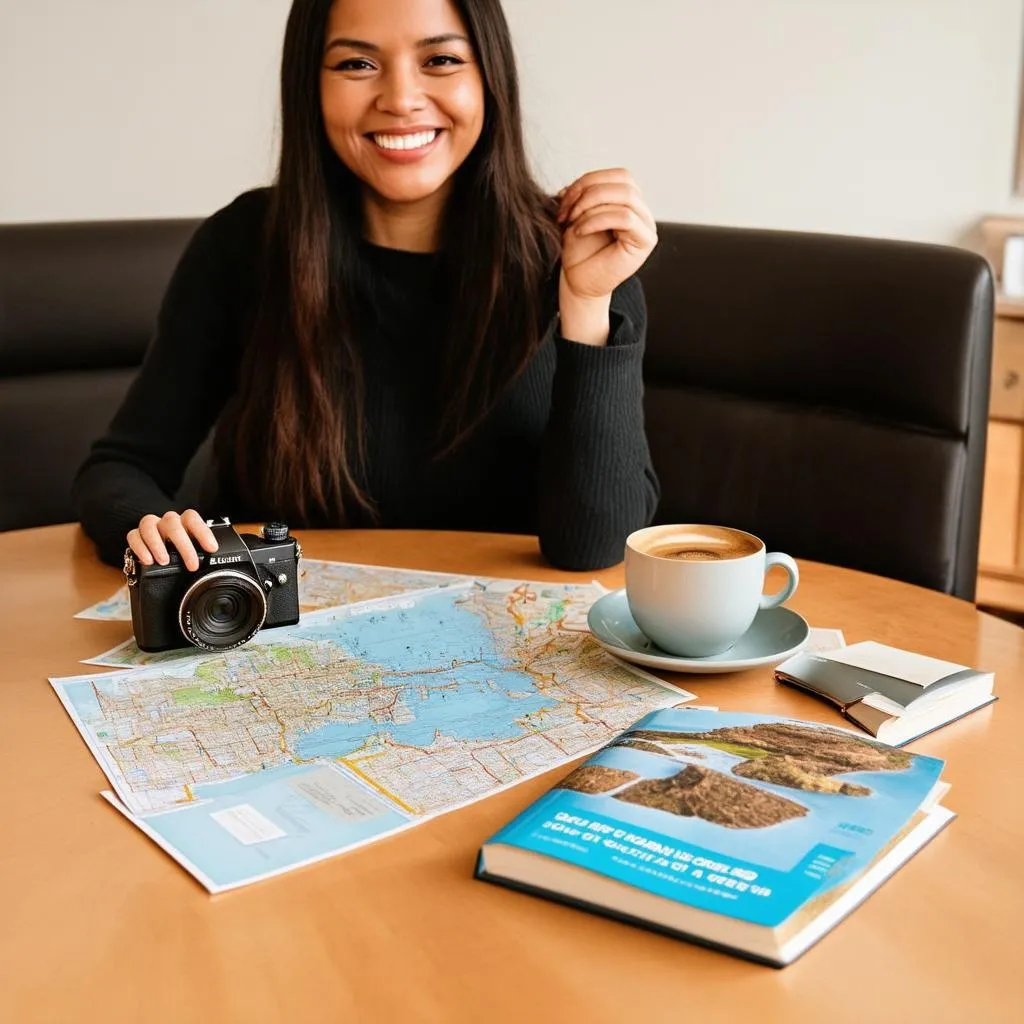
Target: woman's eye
[443,60]
[353,64]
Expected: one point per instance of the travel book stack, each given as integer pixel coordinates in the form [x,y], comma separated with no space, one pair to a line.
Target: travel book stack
[748,833]
[893,694]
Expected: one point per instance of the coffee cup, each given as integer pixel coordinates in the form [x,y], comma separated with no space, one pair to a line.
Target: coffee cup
[694,590]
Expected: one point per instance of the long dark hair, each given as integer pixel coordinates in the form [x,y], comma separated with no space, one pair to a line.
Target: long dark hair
[294,433]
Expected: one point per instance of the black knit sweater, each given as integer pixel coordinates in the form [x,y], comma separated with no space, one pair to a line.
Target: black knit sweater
[563,454]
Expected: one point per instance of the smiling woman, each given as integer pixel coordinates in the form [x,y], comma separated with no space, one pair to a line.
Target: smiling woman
[402,111]
[404,330]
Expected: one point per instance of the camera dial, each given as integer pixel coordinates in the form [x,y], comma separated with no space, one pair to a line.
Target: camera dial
[274,533]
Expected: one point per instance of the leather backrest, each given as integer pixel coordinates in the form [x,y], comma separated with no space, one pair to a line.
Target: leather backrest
[77,307]
[828,393]
[83,296]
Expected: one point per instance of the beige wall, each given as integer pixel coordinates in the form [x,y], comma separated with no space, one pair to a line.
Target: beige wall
[886,117]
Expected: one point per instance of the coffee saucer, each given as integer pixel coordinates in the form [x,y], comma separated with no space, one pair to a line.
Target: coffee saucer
[775,634]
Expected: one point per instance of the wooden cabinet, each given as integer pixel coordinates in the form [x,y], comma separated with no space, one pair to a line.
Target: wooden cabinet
[1001,549]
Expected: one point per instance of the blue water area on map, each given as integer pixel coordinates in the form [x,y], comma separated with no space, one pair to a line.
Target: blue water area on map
[310,831]
[83,699]
[492,693]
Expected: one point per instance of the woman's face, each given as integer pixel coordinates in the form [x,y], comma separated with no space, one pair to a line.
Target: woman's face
[401,93]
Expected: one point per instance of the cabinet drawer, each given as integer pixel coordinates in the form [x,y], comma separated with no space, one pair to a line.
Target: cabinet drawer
[1006,401]
[1001,505]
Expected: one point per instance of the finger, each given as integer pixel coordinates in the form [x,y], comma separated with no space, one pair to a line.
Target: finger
[196,526]
[593,195]
[629,229]
[606,174]
[138,546]
[613,175]
[611,195]
[620,193]
[149,531]
[175,533]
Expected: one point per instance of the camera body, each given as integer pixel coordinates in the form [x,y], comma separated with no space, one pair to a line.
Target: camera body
[250,583]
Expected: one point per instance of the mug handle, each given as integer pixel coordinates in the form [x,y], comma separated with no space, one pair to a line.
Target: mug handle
[787,563]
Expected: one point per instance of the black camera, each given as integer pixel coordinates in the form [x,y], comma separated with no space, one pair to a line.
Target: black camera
[250,582]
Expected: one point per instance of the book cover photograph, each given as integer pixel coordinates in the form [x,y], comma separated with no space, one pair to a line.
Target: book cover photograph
[745,816]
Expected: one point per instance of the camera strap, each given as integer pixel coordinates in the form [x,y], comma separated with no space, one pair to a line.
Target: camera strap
[232,550]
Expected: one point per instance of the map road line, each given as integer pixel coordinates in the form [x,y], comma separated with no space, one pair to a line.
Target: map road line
[376,785]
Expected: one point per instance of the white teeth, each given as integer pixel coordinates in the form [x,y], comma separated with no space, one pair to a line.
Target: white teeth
[415,141]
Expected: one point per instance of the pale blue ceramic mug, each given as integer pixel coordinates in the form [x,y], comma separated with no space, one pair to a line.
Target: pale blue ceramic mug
[695,589]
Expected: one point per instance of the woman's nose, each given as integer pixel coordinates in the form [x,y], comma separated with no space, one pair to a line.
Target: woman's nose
[401,91]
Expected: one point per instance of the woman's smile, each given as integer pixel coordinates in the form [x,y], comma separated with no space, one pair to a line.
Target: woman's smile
[406,145]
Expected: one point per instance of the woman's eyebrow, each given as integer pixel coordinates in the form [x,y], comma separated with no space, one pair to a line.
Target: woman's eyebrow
[351,44]
[448,37]
[362,44]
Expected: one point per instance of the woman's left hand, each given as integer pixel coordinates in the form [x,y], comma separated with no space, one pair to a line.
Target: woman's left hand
[607,233]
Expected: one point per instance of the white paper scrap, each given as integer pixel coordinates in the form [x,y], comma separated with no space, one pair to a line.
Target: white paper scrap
[821,640]
[247,825]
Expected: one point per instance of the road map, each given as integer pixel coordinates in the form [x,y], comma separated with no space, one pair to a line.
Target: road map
[361,721]
[321,585]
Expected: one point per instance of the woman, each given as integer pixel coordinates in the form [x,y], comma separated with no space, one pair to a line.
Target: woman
[404,331]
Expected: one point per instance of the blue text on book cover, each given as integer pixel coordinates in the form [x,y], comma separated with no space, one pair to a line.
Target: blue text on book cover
[741,814]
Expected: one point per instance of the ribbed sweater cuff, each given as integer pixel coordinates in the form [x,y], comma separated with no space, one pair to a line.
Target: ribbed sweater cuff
[598,378]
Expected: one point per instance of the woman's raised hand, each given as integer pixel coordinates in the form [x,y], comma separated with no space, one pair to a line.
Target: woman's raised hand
[150,538]
[607,232]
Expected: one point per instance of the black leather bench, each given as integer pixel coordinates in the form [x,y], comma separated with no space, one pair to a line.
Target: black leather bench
[828,393]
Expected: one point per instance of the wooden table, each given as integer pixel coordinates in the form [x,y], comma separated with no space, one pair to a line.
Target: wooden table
[99,924]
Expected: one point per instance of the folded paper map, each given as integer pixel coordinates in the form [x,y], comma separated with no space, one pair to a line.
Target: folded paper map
[361,721]
[321,585]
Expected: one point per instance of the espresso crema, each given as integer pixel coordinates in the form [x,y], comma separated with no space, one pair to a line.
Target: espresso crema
[717,546]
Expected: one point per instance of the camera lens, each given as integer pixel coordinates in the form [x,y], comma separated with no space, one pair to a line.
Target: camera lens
[222,610]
